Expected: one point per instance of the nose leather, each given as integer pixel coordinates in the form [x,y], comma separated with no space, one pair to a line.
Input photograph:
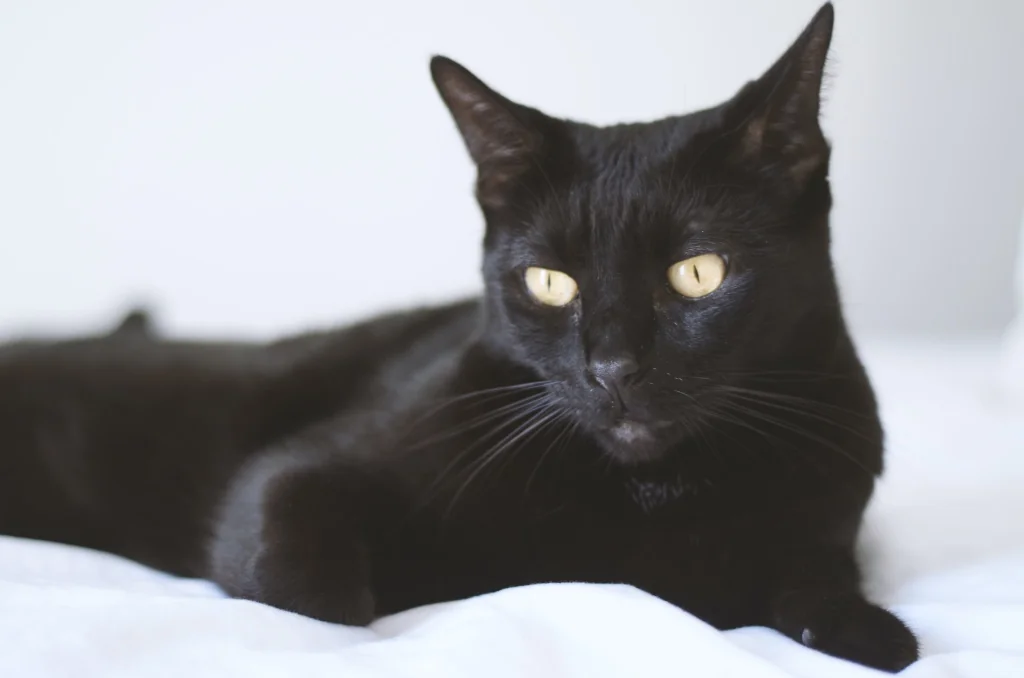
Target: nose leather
[612,371]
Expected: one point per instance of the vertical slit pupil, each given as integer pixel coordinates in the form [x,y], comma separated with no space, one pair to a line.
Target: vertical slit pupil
[696,272]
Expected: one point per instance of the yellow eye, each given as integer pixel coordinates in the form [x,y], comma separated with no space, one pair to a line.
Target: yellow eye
[697,276]
[551,288]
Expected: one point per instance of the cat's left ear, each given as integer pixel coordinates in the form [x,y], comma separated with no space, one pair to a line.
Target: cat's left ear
[503,138]
[778,113]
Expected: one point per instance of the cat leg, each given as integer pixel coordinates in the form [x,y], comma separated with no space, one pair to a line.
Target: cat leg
[291,534]
[819,604]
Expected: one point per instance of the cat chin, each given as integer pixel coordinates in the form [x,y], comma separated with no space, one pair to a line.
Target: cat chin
[629,432]
[631,442]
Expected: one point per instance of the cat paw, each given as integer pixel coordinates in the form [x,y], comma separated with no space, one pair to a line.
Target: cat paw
[359,608]
[857,630]
[336,591]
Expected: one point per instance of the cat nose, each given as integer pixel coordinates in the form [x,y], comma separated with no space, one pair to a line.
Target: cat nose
[612,371]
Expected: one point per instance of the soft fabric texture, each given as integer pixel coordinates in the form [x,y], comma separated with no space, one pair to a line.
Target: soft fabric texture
[1013,348]
[943,545]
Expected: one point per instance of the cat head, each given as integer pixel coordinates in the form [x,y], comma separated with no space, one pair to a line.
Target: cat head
[638,267]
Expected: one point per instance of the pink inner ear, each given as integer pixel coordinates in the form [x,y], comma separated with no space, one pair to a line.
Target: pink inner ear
[753,136]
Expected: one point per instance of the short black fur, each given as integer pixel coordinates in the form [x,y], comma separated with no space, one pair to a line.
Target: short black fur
[717,452]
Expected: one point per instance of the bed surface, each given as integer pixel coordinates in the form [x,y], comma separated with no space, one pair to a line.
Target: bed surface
[943,546]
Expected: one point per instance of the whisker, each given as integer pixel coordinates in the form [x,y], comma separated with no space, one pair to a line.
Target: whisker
[494,392]
[767,376]
[700,408]
[736,417]
[804,412]
[567,430]
[797,400]
[517,413]
[789,426]
[480,420]
[525,430]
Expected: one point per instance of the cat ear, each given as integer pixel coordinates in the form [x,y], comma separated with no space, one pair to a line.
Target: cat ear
[780,110]
[501,136]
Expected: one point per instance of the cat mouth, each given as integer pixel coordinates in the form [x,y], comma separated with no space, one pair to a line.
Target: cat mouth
[634,441]
[632,430]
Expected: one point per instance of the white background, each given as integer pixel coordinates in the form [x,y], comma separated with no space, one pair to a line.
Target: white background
[257,168]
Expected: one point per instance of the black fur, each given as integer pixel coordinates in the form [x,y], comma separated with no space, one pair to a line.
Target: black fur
[716,452]
[136,324]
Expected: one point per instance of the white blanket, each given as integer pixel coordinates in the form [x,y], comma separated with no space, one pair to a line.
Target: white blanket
[943,546]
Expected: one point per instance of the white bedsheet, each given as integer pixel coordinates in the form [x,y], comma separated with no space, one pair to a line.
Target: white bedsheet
[943,546]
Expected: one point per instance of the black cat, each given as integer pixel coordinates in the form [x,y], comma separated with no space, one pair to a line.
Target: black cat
[657,388]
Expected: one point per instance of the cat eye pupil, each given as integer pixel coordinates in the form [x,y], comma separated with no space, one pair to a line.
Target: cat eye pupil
[550,287]
[697,276]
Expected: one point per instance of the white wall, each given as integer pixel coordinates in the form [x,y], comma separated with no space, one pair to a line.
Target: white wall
[259,167]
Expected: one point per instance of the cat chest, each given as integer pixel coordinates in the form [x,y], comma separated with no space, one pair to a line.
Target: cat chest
[680,558]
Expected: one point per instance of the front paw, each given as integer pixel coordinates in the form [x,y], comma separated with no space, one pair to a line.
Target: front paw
[357,607]
[333,590]
[854,629]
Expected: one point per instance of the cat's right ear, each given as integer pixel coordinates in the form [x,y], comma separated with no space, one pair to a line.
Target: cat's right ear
[780,110]
[501,136]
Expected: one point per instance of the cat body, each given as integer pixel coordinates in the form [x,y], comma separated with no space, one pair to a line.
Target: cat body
[656,388]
